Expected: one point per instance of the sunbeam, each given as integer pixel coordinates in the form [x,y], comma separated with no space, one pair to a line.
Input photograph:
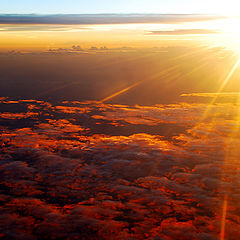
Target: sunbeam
[121,92]
[221,88]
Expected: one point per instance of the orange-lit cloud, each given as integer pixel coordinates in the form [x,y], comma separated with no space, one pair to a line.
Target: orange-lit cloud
[61,177]
[185,32]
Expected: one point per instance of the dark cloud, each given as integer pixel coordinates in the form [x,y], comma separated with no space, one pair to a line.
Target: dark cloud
[103,18]
[34,28]
[185,32]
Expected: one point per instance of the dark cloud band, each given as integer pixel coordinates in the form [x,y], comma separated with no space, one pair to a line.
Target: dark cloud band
[103,18]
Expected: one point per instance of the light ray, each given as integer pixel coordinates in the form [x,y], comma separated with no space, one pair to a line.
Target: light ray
[223,220]
[54,89]
[121,92]
[231,155]
[153,77]
[226,80]
[166,71]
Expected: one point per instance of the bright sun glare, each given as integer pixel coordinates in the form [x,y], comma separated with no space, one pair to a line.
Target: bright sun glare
[228,32]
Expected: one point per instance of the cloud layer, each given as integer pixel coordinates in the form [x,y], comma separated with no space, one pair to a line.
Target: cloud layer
[72,19]
[73,170]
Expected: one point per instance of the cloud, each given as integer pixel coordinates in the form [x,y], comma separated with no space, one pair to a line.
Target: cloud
[185,32]
[36,28]
[212,95]
[61,180]
[71,19]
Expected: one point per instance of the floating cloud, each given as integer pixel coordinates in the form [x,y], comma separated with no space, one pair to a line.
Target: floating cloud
[38,28]
[71,19]
[185,32]
[212,95]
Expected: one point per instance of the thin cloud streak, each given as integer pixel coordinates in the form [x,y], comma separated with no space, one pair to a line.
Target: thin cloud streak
[72,19]
[185,32]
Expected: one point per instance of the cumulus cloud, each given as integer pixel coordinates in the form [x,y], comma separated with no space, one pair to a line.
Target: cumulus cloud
[61,180]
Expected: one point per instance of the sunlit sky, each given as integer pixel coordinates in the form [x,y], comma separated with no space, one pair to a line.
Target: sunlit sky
[123,6]
[44,36]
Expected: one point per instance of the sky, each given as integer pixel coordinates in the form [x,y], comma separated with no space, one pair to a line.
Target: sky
[119,119]
[38,26]
[124,6]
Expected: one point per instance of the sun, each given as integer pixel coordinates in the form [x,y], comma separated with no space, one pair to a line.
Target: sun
[228,26]
[229,33]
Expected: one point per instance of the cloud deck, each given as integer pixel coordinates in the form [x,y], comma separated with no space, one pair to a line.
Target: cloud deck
[61,177]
